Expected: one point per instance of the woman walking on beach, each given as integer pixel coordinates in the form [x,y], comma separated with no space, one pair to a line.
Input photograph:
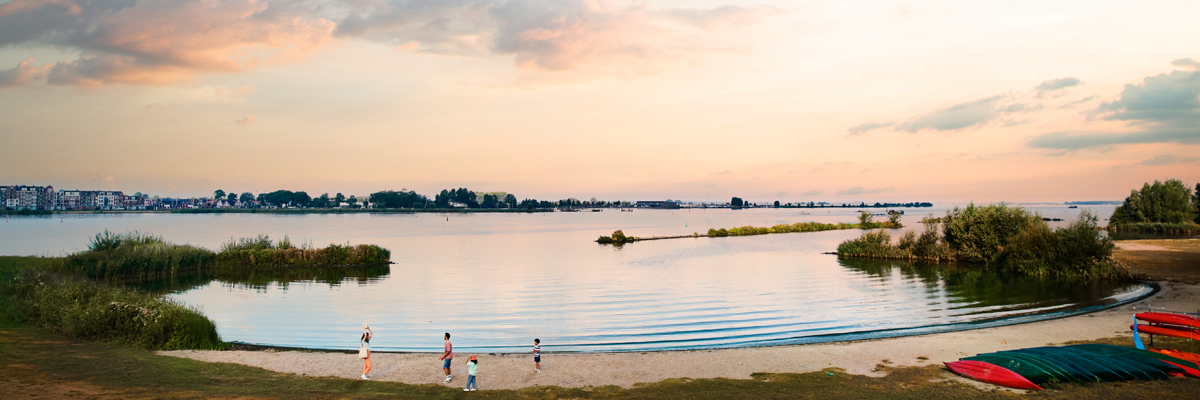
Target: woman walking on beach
[364,350]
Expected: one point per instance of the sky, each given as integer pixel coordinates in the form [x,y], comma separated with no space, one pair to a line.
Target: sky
[943,101]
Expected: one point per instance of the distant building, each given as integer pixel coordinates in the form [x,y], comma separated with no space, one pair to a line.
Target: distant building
[20,197]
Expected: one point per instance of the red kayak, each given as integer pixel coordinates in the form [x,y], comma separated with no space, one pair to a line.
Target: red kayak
[1169,318]
[991,373]
[1182,355]
[1174,331]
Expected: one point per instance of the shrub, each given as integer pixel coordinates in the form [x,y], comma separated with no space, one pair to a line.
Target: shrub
[979,234]
[1007,238]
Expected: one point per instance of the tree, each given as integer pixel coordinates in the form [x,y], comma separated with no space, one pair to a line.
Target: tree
[1169,202]
[1196,203]
[776,203]
[246,198]
[232,197]
[490,201]
[736,202]
[510,200]
[219,194]
[865,218]
[394,199]
[323,201]
[338,199]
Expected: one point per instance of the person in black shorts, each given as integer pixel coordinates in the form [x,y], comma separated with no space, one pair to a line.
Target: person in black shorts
[537,355]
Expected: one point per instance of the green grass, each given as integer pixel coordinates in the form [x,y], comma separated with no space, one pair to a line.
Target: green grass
[83,309]
[796,228]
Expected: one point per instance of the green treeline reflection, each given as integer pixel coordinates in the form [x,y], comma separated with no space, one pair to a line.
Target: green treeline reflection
[970,287]
[260,278]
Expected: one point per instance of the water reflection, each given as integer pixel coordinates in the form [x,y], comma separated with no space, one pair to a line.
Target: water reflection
[260,279]
[974,290]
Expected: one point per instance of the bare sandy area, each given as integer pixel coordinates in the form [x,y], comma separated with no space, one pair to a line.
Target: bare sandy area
[626,369]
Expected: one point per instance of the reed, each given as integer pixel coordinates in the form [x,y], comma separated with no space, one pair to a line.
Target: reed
[134,255]
[79,308]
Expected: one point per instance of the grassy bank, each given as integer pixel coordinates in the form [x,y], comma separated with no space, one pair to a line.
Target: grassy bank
[1177,228]
[619,237]
[139,256]
[83,309]
[998,236]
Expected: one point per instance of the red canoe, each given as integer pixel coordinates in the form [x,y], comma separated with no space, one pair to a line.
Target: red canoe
[991,373]
[1168,318]
[1163,330]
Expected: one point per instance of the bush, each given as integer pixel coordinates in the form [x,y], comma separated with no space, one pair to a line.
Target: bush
[980,234]
[83,309]
[1007,238]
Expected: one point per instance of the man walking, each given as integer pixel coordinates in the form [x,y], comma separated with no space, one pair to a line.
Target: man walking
[447,357]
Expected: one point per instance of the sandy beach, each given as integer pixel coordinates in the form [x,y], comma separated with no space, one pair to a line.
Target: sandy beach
[514,371]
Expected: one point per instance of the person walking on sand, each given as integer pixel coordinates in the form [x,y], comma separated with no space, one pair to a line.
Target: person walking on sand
[537,355]
[364,350]
[447,357]
[471,365]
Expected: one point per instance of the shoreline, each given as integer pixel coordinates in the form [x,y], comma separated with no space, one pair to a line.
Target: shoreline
[1155,288]
[869,357]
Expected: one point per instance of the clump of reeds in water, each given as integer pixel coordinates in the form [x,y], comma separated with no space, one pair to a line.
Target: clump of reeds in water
[83,309]
[134,255]
[260,251]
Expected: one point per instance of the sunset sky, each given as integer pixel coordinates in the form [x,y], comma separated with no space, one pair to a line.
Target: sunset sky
[1020,101]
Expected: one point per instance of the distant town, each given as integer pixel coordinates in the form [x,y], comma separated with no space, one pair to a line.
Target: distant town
[46,198]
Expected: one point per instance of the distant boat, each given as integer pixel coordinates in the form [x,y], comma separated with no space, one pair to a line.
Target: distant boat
[1073,207]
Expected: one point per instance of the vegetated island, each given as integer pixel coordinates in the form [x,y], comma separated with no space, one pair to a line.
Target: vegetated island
[1162,207]
[998,236]
[865,221]
[79,296]
[1016,240]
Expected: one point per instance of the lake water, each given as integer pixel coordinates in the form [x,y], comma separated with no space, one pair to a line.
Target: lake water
[497,281]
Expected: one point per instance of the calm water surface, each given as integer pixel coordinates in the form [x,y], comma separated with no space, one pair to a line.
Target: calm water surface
[496,281]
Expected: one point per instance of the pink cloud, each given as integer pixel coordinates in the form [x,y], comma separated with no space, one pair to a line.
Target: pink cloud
[161,41]
[23,74]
